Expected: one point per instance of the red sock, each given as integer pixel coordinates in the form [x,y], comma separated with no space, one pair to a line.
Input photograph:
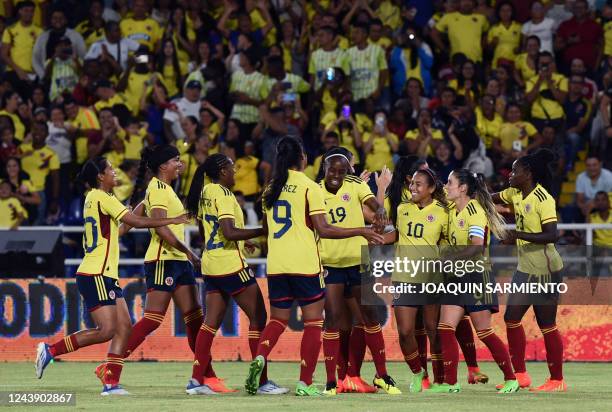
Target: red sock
[413,361]
[270,335]
[65,345]
[193,321]
[203,345]
[498,350]
[450,352]
[375,341]
[357,347]
[331,346]
[149,322]
[114,365]
[465,337]
[517,343]
[210,372]
[254,336]
[421,339]
[343,354]
[310,348]
[554,351]
[437,364]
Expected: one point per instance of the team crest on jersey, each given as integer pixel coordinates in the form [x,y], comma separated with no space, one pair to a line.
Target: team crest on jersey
[430,218]
[346,197]
[111,294]
[461,223]
[169,281]
[397,295]
[528,208]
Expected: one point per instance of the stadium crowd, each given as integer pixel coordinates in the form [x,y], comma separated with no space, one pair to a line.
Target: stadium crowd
[456,82]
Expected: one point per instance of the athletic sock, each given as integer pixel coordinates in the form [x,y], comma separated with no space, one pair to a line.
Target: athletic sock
[343,354]
[114,366]
[357,347]
[450,352]
[193,321]
[310,348]
[65,345]
[202,347]
[465,337]
[517,343]
[498,350]
[554,351]
[331,346]
[270,335]
[254,336]
[376,343]
[149,322]
[413,361]
[421,338]
[437,365]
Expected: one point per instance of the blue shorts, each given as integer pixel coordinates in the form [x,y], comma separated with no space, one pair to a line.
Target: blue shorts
[348,276]
[230,284]
[166,275]
[476,298]
[284,289]
[98,290]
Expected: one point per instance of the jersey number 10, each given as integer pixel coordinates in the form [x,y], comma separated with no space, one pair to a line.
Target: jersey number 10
[418,230]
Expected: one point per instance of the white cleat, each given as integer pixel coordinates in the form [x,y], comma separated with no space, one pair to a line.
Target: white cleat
[110,390]
[43,358]
[271,388]
[196,388]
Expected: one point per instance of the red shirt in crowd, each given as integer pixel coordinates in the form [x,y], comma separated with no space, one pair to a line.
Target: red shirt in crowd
[589,35]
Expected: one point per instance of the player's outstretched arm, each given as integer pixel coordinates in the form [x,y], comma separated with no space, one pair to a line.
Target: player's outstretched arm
[231,232]
[328,231]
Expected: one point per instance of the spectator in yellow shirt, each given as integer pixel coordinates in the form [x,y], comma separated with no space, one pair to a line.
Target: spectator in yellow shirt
[514,136]
[601,214]
[465,30]
[194,157]
[546,92]
[12,212]
[212,121]
[504,38]
[42,164]
[141,28]
[172,70]
[423,140]
[525,63]
[17,48]
[10,104]
[82,122]
[380,145]
[488,121]
[246,173]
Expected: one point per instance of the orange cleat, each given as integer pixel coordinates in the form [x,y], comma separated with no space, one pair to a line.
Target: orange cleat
[357,385]
[551,386]
[340,386]
[101,372]
[475,376]
[217,385]
[523,379]
[426,384]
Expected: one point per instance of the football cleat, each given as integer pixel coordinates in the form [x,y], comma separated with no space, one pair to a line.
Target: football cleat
[271,388]
[43,359]
[475,376]
[306,390]
[255,369]
[523,379]
[217,385]
[551,386]
[101,372]
[416,385]
[426,384]
[357,385]
[445,388]
[387,384]
[331,389]
[510,387]
[111,390]
[196,388]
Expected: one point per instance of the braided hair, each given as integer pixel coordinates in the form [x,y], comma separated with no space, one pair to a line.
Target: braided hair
[212,168]
[333,152]
[405,167]
[539,165]
[151,158]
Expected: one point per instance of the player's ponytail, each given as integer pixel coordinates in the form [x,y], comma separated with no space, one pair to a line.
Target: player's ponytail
[540,165]
[289,153]
[138,193]
[212,168]
[405,167]
[477,189]
[90,171]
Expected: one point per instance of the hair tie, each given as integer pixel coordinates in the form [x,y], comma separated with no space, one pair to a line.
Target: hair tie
[340,155]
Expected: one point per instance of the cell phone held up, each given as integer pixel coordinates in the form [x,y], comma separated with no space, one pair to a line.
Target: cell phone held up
[346,111]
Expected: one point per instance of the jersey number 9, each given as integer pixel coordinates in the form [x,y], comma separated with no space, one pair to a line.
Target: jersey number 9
[282,220]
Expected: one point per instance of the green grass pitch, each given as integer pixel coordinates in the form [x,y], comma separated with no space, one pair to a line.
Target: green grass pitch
[160,387]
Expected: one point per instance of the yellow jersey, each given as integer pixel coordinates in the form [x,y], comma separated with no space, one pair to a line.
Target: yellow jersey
[468,223]
[10,209]
[464,33]
[190,165]
[543,107]
[86,120]
[21,40]
[436,134]
[133,143]
[246,175]
[115,158]
[145,32]
[102,213]
[344,209]
[125,188]
[38,163]
[161,196]
[292,241]
[170,76]
[602,237]
[220,256]
[518,131]
[607,28]
[381,154]
[523,67]
[488,129]
[17,124]
[531,213]
[509,39]
[116,99]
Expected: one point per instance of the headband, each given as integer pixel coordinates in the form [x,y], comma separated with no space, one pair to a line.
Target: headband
[338,155]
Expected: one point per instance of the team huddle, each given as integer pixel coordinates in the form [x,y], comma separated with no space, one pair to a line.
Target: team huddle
[316,232]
